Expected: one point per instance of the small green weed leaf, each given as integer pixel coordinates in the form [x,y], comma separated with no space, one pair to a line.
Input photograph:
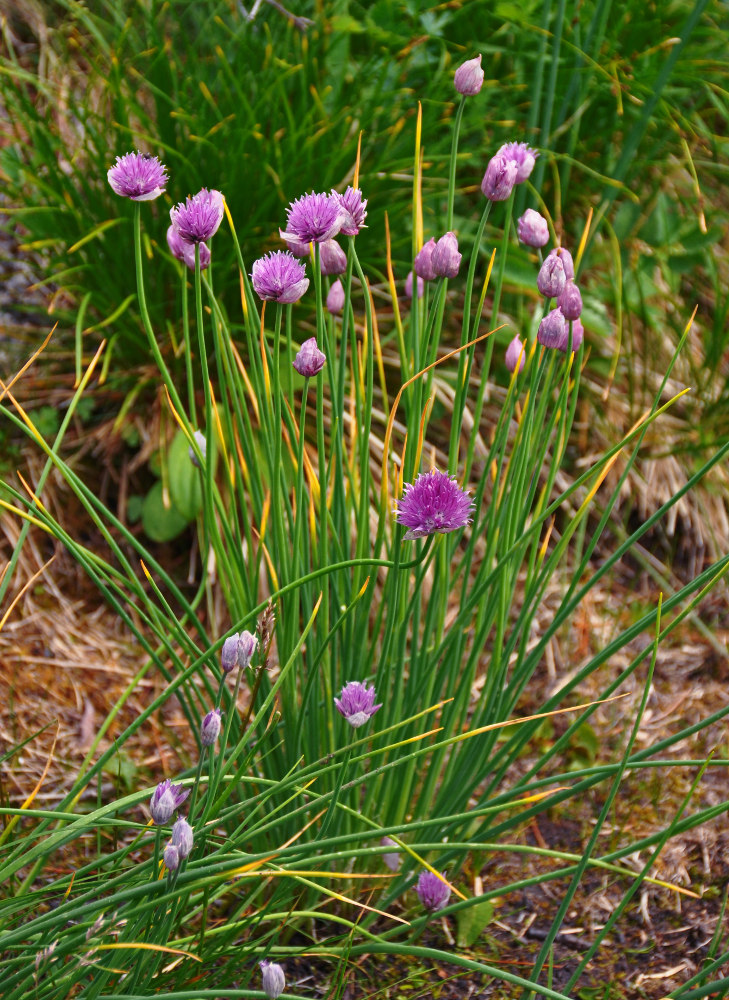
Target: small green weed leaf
[161,523]
[472,921]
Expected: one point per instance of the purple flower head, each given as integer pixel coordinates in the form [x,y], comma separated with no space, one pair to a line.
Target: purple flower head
[570,301]
[469,77]
[171,857]
[238,650]
[532,229]
[446,259]
[553,330]
[185,251]
[434,502]
[434,893]
[138,176]
[166,800]
[552,278]
[515,354]
[335,298]
[182,837]
[274,981]
[392,860]
[279,277]
[500,178]
[578,335]
[314,218]
[355,210]
[332,259]
[423,263]
[296,247]
[310,360]
[522,155]
[197,219]
[202,445]
[357,703]
[409,285]
[210,728]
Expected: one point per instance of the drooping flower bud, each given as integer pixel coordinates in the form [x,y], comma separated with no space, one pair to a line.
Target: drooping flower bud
[423,263]
[500,178]
[420,285]
[335,298]
[570,301]
[182,837]
[332,259]
[274,981]
[210,728]
[532,229]
[515,354]
[310,360]
[446,259]
[469,77]
[171,857]
[553,329]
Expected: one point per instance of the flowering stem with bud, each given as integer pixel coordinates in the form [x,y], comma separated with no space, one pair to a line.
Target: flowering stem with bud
[454,157]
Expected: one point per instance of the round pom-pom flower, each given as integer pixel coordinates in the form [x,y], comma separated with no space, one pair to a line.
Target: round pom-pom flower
[522,155]
[434,893]
[197,219]
[500,178]
[357,703]
[310,360]
[433,503]
[279,277]
[314,218]
[274,981]
[469,77]
[166,800]
[138,176]
[355,210]
[185,251]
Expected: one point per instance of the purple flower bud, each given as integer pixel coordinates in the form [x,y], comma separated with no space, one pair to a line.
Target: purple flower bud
[433,503]
[182,837]
[553,330]
[391,860]
[279,277]
[578,334]
[296,247]
[202,445]
[552,278]
[171,857]
[515,354]
[197,218]
[310,360]
[332,259]
[522,155]
[570,301]
[247,645]
[434,893]
[166,799]
[185,251]
[409,285]
[138,176]
[566,257]
[229,654]
[446,259]
[314,218]
[274,981]
[335,298]
[532,229]
[357,703]
[500,178]
[469,77]
[355,210]
[423,263]
[210,728]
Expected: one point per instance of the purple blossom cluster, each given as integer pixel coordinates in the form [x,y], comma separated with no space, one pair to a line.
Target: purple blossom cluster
[433,503]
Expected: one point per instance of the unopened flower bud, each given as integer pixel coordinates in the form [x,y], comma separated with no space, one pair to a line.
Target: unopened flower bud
[553,329]
[578,334]
[420,285]
[332,259]
[552,278]
[171,857]
[500,178]
[423,263]
[335,298]
[570,301]
[310,360]
[229,653]
[515,354]
[469,77]
[210,729]
[532,229]
[274,981]
[392,860]
[446,258]
[182,837]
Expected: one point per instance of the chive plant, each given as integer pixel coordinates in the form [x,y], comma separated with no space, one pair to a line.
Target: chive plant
[358,713]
